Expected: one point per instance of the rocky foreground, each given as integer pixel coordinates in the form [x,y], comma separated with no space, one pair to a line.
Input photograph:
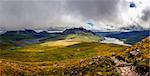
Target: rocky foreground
[138,56]
[96,66]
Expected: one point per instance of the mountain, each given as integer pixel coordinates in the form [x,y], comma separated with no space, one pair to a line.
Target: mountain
[131,37]
[22,37]
[74,34]
[18,35]
[27,36]
[81,35]
[106,33]
[77,31]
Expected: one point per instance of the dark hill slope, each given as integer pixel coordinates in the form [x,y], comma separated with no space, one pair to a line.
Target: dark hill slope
[131,37]
[77,31]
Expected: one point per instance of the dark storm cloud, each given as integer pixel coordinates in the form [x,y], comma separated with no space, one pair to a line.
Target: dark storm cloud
[21,14]
[46,13]
[146,15]
[94,9]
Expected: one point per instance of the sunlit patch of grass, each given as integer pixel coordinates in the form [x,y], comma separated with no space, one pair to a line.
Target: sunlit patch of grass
[31,50]
[60,43]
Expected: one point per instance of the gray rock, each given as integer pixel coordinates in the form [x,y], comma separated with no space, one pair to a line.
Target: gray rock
[92,62]
[133,53]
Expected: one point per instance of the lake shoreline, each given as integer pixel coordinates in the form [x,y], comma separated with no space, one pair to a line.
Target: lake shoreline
[114,41]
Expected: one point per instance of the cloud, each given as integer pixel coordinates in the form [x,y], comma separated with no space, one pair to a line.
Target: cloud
[42,14]
[146,15]
[94,9]
[28,14]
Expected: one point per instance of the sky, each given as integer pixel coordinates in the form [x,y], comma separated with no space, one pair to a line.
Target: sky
[91,14]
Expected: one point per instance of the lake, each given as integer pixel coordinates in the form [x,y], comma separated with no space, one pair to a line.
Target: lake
[114,41]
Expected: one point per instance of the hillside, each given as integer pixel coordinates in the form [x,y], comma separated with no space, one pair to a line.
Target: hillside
[142,48]
[76,52]
[138,55]
[97,66]
[131,37]
[55,59]
[67,54]
[23,37]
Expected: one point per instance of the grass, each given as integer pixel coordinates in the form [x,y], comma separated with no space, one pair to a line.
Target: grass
[60,43]
[38,52]
[142,57]
[83,38]
[141,60]
[64,59]
[72,56]
[103,66]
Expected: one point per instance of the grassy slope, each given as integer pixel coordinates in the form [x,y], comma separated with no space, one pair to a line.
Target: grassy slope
[38,52]
[103,66]
[43,58]
[39,59]
[83,38]
[143,56]
[141,60]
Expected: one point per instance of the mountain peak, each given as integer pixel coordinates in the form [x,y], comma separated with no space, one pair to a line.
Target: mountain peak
[77,31]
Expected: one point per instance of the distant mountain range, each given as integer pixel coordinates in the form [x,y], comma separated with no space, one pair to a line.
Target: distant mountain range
[28,34]
[23,34]
[45,33]
[131,37]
